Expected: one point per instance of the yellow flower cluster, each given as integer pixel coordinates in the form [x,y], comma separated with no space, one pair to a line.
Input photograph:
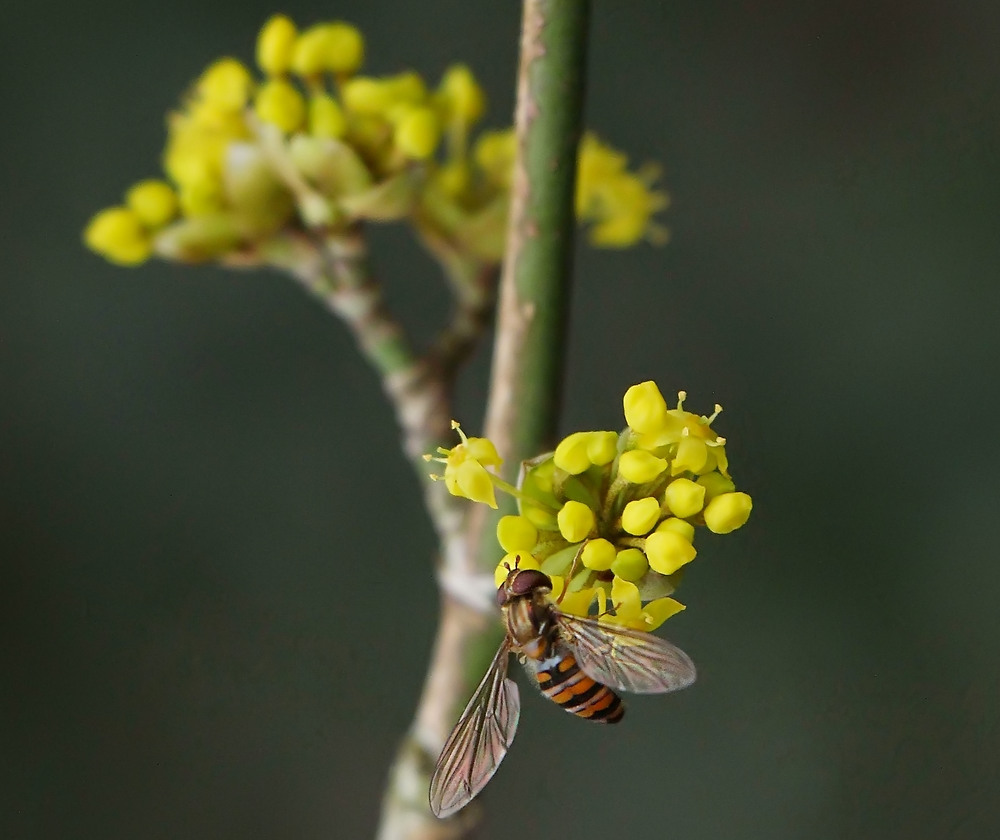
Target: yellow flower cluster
[314,145]
[619,204]
[611,517]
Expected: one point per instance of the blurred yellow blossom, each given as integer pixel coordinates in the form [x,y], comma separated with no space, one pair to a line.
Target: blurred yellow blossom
[255,163]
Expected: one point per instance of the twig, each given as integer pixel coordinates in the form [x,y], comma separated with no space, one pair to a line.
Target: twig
[524,391]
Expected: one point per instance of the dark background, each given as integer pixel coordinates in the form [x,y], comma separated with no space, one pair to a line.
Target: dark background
[215,603]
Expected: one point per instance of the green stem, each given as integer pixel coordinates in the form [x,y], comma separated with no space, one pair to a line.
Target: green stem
[525,384]
[534,289]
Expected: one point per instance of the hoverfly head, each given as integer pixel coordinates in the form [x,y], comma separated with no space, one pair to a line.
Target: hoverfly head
[521,582]
[525,581]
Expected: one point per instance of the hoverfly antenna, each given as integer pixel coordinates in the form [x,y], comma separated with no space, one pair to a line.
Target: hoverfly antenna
[517,560]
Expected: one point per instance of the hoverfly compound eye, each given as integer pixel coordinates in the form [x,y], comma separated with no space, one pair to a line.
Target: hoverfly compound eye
[502,595]
[527,580]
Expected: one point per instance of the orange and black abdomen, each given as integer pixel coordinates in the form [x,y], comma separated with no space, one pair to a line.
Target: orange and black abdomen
[564,683]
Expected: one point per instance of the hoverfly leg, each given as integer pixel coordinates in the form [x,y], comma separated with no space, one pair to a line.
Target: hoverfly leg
[569,575]
[612,610]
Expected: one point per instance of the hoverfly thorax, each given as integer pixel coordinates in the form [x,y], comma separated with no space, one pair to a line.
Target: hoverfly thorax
[523,600]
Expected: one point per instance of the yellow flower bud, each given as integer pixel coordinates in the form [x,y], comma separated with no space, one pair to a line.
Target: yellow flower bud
[640,516]
[538,478]
[598,554]
[645,408]
[407,87]
[328,47]
[576,521]
[516,533]
[678,526]
[692,453]
[118,235]
[417,133]
[728,512]
[325,117]
[639,466]
[715,484]
[279,102]
[571,453]
[462,94]
[630,564]
[683,497]
[519,559]
[364,95]
[154,202]
[539,517]
[225,85]
[275,45]
[668,551]
[602,447]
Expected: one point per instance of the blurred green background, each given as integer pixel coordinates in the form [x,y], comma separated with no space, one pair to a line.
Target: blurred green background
[215,603]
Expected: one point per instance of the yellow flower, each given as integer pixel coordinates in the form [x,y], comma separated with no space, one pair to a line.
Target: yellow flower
[629,611]
[465,472]
[687,438]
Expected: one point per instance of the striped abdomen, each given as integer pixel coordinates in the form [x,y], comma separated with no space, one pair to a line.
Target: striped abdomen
[562,681]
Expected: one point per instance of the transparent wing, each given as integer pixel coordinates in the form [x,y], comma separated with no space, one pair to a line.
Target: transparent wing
[626,659]
[479,740]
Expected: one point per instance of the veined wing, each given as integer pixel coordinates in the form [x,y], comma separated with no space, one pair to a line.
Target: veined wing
[626,659]
[479,740]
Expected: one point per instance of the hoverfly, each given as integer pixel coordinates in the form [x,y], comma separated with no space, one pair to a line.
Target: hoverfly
[578,663]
